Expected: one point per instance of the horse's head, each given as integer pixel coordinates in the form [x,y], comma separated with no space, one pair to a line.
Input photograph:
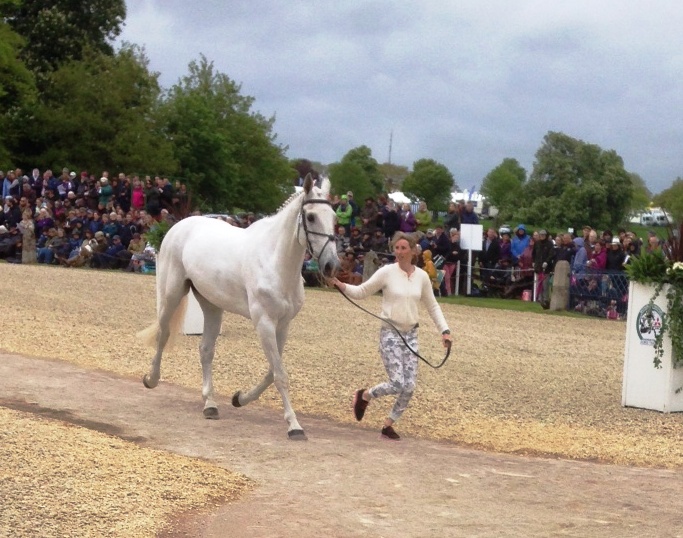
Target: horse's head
[318,225]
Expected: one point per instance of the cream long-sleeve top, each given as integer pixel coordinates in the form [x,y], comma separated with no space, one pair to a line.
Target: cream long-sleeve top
[401,295]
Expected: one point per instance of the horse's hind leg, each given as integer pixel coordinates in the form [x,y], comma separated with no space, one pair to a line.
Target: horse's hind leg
[213,317]
[240,398]
[166,312]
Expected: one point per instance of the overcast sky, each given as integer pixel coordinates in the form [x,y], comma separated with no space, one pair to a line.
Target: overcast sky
[467,83]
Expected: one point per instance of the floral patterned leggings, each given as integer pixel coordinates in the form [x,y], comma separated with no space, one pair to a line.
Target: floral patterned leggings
[401,366]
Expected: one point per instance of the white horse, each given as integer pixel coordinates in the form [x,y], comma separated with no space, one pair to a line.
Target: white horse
[254,272]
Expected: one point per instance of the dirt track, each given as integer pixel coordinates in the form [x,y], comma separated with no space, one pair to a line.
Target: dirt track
[516,382]
[345,482]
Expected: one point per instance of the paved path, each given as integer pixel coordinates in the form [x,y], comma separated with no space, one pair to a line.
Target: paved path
[345,482]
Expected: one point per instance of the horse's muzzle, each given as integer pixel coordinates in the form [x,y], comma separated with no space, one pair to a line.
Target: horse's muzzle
[330,268]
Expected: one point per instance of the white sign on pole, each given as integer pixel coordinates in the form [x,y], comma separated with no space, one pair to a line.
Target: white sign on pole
[471,238]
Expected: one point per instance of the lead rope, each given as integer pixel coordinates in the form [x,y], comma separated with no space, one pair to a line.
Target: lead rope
[448,347]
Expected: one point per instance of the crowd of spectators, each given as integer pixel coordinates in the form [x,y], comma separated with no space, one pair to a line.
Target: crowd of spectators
[76,219]
[511,262]
[369,228]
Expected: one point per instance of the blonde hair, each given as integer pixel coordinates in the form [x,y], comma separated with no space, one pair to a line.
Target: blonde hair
[403,235]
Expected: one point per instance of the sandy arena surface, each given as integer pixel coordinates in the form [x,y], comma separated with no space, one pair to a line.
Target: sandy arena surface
[515,383]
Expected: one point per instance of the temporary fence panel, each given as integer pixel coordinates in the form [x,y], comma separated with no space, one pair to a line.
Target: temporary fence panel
[599,293]
[509,282]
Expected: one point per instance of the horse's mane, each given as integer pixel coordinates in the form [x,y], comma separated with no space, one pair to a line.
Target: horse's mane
[292,197]
[317,191]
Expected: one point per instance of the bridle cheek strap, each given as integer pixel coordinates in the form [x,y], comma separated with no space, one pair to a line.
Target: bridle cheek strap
[307,232]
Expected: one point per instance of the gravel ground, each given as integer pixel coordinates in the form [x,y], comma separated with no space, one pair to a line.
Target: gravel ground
[60,480]
[516,382]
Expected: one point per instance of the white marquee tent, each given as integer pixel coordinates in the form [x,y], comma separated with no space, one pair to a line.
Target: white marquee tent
[474,196]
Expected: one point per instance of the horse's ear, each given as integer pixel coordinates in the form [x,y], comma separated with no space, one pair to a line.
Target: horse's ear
[325,185]
[308,183]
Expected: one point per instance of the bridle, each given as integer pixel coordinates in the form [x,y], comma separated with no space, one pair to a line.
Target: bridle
[307,232]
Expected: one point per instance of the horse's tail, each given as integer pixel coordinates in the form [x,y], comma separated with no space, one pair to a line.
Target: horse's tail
[149,335]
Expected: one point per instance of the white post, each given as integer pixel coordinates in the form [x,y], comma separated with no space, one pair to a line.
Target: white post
[457,279]
[469,273]
[194,317]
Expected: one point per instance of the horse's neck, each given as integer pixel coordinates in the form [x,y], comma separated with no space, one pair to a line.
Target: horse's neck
[287,252]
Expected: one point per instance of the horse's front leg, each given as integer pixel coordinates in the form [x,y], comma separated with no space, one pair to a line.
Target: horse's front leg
[273,343]
[213,318]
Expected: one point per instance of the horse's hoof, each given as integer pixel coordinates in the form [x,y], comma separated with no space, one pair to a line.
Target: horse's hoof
[211,413]
[146,383]
[236,399]
[297,435]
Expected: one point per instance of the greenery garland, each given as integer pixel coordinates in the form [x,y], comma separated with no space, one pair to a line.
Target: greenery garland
[156,233]
[672,324]
[674,317]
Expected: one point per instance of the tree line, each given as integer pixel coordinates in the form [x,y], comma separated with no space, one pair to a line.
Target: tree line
[68,98]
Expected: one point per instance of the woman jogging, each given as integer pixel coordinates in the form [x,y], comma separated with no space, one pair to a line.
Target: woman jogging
[403,287]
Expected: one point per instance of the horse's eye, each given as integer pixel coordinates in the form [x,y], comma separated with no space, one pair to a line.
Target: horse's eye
[310,218]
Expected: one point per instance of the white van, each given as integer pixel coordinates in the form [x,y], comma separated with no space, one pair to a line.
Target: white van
[647,219]
[661,218]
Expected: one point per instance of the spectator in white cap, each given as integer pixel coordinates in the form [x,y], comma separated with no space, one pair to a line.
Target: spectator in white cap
[105,193]
[615,256]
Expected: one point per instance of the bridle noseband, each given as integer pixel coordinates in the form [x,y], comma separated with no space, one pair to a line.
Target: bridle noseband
[307,232]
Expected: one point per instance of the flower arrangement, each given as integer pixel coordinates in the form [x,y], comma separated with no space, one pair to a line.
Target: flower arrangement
[664,267]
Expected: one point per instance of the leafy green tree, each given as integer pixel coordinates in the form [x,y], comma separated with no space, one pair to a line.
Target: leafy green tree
[394,175]
[358,171]
[60,31]
[430,181]
[503,186]
[17,86]
[349,176]
[99,113]
[574,183]
[303,167]
[227,152]
[671,199]
[362,155]
[641,194]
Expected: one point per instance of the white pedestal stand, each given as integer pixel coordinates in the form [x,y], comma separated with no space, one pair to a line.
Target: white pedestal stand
[194,317]
[644,385]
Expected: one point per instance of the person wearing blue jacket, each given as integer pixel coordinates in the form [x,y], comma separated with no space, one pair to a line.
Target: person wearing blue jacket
[519,243]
